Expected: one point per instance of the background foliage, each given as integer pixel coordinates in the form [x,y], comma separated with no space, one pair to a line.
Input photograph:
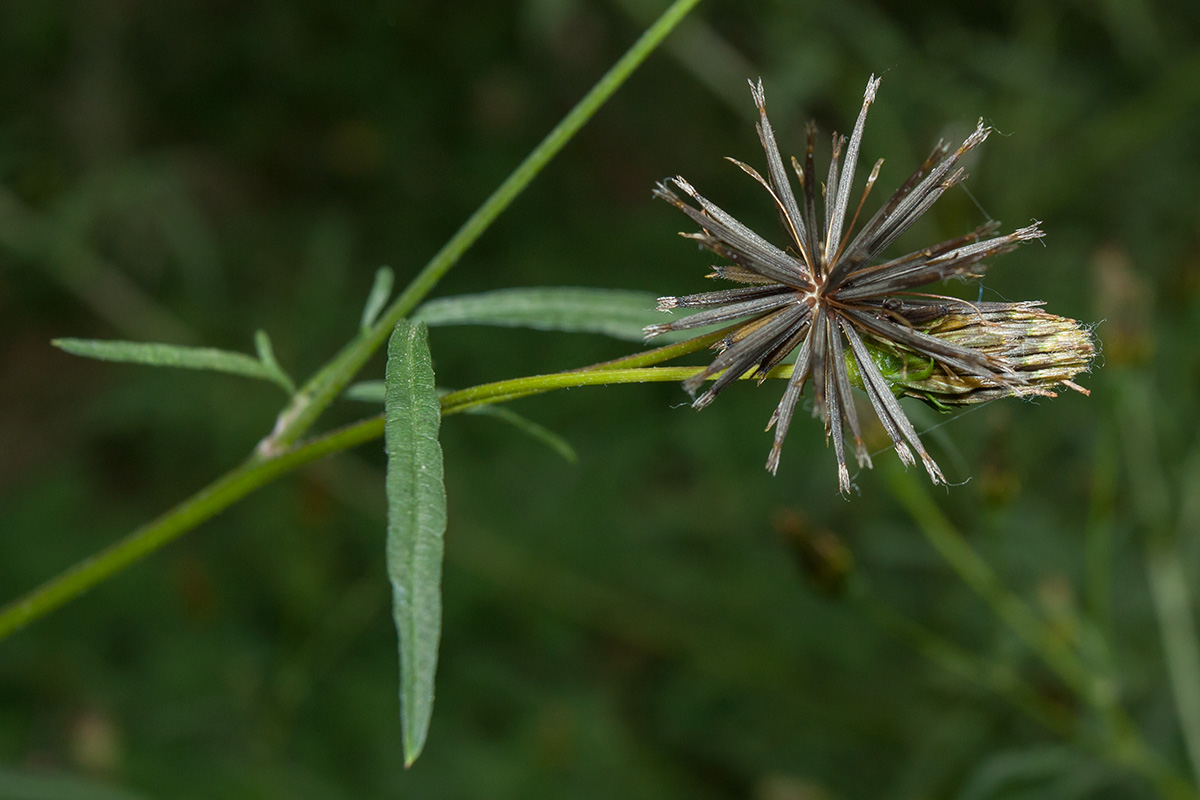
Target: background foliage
[634,624]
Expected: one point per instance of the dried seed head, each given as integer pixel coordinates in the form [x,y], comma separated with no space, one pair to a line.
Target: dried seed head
[1043,349]
[853,321]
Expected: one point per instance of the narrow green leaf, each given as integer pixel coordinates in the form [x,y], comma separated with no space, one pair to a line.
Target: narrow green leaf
[543,434]
[381,290]
[613,312]
[373,392]
[416,523]
[365,392]
[266,355]
[168,355]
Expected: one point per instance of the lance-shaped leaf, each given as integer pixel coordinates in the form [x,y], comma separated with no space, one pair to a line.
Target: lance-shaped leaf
[532,429]
[266,354]
[381,290]
[154,354]
[613,312]
[416,523]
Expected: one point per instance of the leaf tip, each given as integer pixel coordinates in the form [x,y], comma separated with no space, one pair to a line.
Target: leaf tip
[68,345]
[414,744]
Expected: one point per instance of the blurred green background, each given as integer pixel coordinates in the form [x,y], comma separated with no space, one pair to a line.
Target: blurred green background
[636,624]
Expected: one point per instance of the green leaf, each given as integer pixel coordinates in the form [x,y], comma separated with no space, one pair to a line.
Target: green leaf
[613,312]
[169,355]
[266,355]
[416,523]
[365,392]
[381,290]
[543,434]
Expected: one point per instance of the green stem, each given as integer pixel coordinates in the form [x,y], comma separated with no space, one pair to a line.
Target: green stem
[1100,537]
[1173,606]
[259,470]
[956,660]
[1125,745]
[1123,750]
[1164,561]
[661,354]
[503,391]
[203,505]
[976,573]
[277,452]
[328,383]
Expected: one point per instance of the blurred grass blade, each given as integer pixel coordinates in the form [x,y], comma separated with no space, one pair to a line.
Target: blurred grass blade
[381,291]
[543,434]
[613,312]
[1165,564]
[1173,605]
[169,355]
[1010,773]
[366,391]
[416,523]
[266,355]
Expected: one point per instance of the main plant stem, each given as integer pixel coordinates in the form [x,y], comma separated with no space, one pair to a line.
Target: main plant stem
[316,395]
[279,452]
[261,469]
